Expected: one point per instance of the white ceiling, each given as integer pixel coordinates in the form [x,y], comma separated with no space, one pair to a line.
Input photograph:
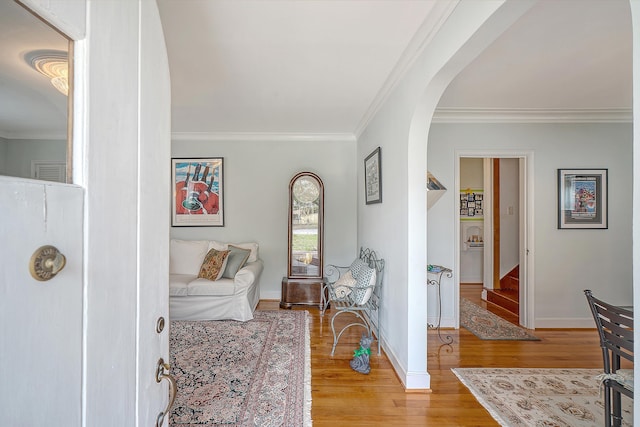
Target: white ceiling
[320,66]
[282,66]
[563,54]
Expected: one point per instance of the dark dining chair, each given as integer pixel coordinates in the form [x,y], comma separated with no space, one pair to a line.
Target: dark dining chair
[615,327]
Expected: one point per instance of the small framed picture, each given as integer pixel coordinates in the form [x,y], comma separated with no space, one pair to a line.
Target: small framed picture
[373,178]
[582,198]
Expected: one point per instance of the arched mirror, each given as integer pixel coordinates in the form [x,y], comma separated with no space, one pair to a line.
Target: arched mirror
[34,106]
[306,198]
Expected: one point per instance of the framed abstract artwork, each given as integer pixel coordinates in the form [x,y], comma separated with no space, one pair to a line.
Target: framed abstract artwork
[198,197]
[373,178]
[582,198]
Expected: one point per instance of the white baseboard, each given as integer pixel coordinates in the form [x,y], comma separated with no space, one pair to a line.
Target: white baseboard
[410,380]
[445,322]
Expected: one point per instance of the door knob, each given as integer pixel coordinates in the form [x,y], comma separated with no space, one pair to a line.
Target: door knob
[46,262]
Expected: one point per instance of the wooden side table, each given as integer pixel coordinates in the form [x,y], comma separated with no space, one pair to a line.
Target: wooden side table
[301,292]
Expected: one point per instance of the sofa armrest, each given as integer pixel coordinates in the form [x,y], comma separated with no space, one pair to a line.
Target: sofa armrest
[248,274]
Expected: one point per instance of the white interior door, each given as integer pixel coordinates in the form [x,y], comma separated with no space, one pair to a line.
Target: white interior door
[40,321]
[154,225]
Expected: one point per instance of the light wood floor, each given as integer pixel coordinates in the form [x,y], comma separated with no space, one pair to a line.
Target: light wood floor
[343,397]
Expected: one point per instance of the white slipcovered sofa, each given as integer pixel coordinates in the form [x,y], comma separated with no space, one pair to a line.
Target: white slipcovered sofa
[235,293]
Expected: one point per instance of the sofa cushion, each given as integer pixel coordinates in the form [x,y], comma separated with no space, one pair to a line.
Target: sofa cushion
[207,287]
[185,256]
[235,261]
[178,284]
[213,265]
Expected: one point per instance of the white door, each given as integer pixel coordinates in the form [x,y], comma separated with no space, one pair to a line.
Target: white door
[154,225]
[40,321]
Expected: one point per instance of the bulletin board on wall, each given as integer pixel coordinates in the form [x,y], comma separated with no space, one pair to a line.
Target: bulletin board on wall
[471,204]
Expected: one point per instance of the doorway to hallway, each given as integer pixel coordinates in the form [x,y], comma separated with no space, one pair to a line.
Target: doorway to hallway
[493,232]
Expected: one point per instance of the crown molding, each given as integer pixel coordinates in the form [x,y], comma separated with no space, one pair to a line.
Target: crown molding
[427,31]
[533,115]
[263,136]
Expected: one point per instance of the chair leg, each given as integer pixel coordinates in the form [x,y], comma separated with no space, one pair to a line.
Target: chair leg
[607,405]
[617,408]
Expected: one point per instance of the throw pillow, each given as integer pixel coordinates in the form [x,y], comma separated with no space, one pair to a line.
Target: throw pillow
[213,264]
[366,281]
[356,266]
[343,285]
[250,245]
[235,261]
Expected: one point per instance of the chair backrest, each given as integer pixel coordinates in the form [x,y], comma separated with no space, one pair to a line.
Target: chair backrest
[615,327]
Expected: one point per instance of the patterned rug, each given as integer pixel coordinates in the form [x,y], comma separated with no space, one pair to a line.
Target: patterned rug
[255,373]
[487,326]
[540,397]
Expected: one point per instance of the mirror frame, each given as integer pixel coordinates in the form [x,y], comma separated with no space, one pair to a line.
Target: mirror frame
[320,257]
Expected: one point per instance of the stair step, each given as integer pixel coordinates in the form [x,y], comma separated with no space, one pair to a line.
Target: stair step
[510,283]
[506,299]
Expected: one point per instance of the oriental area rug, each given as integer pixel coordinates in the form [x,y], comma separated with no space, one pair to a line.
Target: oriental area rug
[541,397]
[487,326]
[254,373]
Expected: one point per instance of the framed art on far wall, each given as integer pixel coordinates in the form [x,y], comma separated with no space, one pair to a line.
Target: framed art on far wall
[373,178]
[582,198]
[198,198]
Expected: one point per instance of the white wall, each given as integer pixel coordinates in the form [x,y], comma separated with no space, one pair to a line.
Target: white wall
[635,18]
[397,227]
[509,215]
[19,153]
[566,261]
[256,192]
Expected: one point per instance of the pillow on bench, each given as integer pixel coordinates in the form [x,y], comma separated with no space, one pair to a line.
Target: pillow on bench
[366,280]
[357,282]
[343,285]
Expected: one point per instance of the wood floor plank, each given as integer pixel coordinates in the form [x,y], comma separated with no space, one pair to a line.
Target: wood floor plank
[343,397]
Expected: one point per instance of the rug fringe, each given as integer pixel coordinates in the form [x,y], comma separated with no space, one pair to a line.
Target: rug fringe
[308,422]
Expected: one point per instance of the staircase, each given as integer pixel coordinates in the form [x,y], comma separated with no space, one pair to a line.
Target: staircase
[507,296]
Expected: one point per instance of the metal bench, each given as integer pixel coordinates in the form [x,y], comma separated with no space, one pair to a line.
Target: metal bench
[355,289]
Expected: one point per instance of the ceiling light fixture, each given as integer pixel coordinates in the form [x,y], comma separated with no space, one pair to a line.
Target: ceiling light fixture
[54,65]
